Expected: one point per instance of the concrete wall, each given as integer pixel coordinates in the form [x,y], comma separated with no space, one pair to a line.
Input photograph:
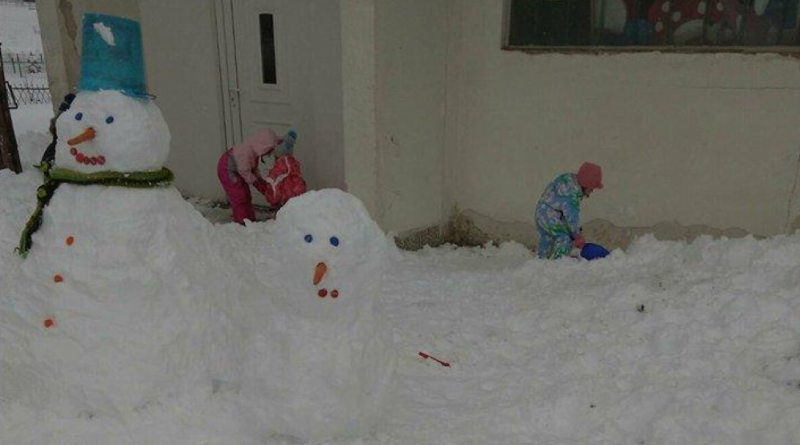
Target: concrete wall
[358,97]
[394,60]
[183,72]
[689,139]
[410,58]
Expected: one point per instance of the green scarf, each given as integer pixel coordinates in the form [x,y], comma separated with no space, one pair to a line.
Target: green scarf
[53,177]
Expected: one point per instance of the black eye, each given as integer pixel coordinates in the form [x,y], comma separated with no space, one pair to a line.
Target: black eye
[308,238]
[109,119]
[334,241]
[79,116]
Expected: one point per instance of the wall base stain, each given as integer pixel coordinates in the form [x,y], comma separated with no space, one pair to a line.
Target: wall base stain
[469,228]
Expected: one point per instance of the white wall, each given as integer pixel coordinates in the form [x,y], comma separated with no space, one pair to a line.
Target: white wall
[358,91]
[183,72]
[394,73]
[410,42]
[694,139]
[321,63]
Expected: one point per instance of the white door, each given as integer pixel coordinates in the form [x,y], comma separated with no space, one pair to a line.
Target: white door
[283,60]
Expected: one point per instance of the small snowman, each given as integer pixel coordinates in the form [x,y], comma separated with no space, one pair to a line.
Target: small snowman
[114,313]
[322,365]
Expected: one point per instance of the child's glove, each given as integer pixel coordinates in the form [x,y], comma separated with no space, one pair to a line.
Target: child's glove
[579,241]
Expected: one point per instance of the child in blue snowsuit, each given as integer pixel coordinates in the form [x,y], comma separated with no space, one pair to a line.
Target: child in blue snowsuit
[558,211]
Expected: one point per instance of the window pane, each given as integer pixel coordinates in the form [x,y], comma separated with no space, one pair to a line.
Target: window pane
[268,71]
[654,22]
[550,22]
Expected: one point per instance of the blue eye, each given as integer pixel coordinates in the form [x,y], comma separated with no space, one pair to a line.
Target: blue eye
[308,238]
[79,116]
[109,119]
[334,241]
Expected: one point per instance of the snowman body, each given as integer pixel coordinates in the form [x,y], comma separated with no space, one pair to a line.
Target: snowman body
[122,311]
[322,366]
[123,320]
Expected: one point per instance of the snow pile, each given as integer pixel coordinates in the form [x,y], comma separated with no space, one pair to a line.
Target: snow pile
[668,344]
[19,28]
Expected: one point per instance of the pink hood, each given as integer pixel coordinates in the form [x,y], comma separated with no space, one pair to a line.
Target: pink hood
[247,154]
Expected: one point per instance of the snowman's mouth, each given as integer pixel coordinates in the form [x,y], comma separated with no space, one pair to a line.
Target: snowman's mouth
[81,157]
[319,273]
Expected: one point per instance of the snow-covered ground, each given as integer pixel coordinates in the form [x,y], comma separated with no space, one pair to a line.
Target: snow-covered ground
[667,343]
[19,28]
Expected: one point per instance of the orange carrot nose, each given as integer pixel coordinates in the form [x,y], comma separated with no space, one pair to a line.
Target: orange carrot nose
[319,272]
[87,135]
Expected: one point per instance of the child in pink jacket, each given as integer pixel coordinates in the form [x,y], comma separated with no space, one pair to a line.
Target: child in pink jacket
[237,170]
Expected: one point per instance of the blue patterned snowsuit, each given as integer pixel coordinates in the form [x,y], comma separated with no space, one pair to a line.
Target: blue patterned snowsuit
[558,216]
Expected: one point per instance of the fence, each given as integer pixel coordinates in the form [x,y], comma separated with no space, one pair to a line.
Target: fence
[27,93]
[22,64]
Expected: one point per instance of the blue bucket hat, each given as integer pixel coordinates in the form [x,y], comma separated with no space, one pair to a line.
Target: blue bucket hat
[112,57]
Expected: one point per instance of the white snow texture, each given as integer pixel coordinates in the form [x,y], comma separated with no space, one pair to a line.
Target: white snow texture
[105,33]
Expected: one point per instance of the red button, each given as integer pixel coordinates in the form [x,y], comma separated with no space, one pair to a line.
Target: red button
[49,323]
[58,278]
[322,293]
[334,293]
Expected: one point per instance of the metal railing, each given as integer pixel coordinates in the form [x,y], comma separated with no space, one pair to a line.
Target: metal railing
[28,93]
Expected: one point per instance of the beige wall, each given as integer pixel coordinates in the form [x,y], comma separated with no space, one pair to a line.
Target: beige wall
[411,43]
[436,116]
[183,72]
[358,97]
[690,139]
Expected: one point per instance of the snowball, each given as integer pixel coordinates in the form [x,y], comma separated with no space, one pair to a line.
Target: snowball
[105,33]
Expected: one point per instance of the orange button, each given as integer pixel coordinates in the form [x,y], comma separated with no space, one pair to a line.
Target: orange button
[58,278]
[70,240]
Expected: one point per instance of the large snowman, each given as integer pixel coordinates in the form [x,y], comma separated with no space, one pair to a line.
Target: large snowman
[112,312]
[322,363]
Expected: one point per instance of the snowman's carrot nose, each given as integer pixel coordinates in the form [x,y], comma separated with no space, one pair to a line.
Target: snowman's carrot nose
[87,135]
[319,272]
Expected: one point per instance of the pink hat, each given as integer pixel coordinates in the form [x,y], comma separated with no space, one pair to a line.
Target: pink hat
[261,143]
[590,176]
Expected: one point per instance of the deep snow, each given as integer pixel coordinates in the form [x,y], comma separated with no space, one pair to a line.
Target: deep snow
[667,343]
[19,28]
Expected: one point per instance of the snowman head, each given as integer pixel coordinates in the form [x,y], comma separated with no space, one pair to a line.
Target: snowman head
[331,255]
[109,131]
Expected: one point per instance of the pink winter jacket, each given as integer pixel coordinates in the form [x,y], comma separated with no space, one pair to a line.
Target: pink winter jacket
[247,154]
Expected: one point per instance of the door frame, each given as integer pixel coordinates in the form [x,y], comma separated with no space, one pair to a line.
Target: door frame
[228,69]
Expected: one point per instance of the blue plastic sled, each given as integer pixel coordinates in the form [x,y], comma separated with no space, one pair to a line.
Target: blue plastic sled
[593,251]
